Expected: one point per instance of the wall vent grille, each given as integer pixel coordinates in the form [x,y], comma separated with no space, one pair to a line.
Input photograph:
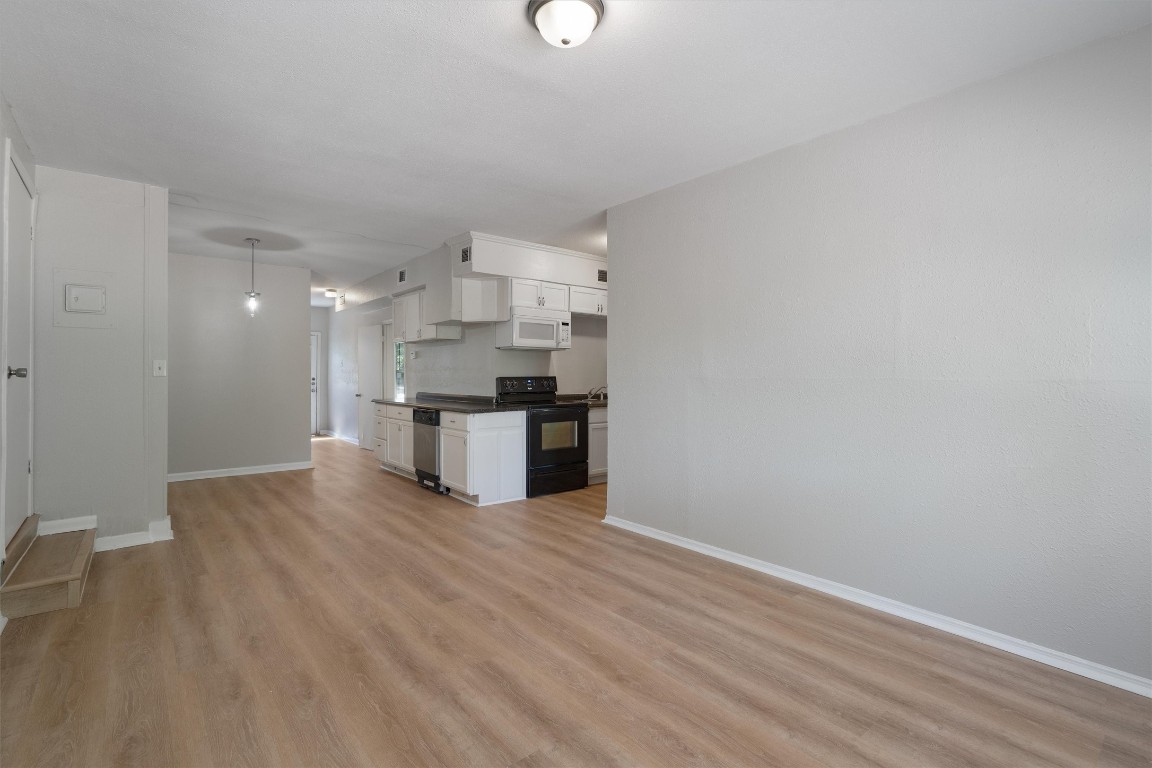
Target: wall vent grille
[602,275]
[466,255]
[402,276]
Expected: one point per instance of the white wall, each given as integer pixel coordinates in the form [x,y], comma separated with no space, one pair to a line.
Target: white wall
[318,323]
[239,385]
[912,356]
[100,416]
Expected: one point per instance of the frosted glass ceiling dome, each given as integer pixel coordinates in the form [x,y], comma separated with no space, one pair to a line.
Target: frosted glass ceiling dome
[566,23]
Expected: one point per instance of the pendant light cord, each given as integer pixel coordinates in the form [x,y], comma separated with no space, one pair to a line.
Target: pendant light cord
[253,241]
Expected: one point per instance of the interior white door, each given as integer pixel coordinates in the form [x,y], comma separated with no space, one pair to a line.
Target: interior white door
[16,384]
[369,366]
[314,357]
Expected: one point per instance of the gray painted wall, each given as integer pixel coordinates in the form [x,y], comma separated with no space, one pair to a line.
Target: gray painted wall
[239,389]
[100,416]
[913,356]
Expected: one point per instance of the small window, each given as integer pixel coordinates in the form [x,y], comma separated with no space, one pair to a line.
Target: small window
[399,366]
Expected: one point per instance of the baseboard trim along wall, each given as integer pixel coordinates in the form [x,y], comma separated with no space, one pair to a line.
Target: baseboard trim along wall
[177,477]
[1052,658]
[49,527]
[158,530]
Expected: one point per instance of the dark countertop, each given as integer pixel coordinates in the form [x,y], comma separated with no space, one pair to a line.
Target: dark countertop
[478,403]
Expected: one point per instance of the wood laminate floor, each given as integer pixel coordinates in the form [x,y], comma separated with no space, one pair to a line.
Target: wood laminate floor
[344,617]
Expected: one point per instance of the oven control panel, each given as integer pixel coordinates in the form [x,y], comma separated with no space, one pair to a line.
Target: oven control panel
[511,385]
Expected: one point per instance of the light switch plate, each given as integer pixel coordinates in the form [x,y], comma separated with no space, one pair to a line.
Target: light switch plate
[159,367]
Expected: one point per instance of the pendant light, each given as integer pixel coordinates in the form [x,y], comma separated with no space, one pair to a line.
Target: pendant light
[253,297]
[566,23]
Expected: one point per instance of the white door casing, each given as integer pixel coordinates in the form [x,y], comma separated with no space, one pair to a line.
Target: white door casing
[369,365]
[16,338]
[314,347]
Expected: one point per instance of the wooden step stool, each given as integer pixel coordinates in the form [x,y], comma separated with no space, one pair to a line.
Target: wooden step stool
[47,572]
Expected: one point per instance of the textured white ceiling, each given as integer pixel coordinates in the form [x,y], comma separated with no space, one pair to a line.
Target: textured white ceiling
[371,130]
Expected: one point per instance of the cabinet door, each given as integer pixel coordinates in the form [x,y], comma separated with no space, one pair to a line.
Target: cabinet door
[395,448]
[413,317]
[554,296]
[398,318]
[597,449]
[589,301]
[406,436]
[525,293]
[454,460]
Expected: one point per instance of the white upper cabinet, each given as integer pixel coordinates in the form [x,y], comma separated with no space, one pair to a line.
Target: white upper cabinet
[589,301]
[408,321]
[536,293]
[479,300]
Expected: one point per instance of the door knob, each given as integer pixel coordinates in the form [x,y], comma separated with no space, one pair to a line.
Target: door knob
[20,373]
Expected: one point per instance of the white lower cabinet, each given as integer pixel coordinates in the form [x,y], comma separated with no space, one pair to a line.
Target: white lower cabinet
[454,463]
[597,445]
[482,455]
[380,434]
[399,447]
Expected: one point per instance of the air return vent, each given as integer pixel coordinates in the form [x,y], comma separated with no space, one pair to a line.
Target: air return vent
[402,276]
[602,275]
[466,255]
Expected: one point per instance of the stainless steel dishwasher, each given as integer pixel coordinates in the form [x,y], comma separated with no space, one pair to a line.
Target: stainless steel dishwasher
[426,448]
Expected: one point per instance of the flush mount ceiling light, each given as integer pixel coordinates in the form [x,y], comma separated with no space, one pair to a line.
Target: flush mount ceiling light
[330,293]
[565,23]
[253,297]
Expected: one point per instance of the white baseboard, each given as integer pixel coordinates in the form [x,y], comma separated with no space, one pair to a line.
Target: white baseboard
[177,477]
[350,440]
[1083,667]
[49,527]
[161,530]
[158,530]
[327,433]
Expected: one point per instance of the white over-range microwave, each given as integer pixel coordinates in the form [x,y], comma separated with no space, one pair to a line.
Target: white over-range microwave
[535,329]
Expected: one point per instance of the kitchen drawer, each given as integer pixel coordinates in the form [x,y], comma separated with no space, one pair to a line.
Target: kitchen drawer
[381,411]
[381,431]
[598,415]
[399,412]
[452,420]
[498,420]
[380,448]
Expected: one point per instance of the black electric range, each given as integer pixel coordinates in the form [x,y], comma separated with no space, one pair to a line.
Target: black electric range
[557,434]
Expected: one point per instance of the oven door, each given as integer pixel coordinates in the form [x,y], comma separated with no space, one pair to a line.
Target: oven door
[557,436]
[528,331]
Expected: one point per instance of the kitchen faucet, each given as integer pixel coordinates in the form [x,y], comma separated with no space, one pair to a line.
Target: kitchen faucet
[601,391]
